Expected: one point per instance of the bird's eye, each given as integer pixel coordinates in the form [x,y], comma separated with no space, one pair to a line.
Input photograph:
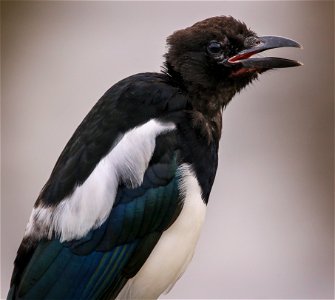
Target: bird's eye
[214,47]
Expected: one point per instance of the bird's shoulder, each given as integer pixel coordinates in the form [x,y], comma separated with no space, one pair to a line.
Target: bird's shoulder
[128,104]
[153,89]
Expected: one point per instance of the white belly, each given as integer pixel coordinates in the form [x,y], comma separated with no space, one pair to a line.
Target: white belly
[175,248]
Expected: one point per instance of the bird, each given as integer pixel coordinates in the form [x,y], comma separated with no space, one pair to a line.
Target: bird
[122,211]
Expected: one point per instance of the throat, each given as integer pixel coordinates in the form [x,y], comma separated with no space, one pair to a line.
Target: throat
[207,101]
[208,127]
[208,105]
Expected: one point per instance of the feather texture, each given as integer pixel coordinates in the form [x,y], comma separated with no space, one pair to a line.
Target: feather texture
[90,204]
[175,248]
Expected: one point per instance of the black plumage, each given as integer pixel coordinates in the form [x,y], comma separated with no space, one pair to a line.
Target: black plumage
[206,65]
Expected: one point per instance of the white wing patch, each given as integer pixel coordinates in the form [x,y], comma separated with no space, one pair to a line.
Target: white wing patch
[174,250]
[90,203]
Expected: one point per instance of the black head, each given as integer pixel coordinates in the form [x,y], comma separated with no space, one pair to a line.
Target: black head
[217,52]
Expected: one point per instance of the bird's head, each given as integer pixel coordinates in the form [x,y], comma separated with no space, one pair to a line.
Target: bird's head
[219,52]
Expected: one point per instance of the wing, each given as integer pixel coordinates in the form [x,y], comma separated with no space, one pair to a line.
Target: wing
[99,264]
[129,103]
[112,193]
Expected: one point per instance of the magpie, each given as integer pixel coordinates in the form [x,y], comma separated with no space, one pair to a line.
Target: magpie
[121,213]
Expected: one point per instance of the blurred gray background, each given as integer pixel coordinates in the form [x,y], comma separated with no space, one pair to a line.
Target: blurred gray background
[269,228]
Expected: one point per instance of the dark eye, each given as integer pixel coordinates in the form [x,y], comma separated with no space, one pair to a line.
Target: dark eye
[214,47]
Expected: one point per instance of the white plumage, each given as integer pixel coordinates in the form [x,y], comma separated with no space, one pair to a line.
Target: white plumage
[90,203]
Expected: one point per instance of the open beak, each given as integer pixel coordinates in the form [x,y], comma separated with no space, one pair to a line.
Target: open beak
[245,60]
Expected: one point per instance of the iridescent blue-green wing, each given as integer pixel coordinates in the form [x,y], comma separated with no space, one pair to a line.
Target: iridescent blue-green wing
[98,265]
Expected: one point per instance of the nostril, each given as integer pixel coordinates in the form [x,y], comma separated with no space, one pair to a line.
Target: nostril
[251,41]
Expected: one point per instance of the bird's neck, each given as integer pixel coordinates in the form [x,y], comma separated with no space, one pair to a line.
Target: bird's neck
[208,102]
[208,105]
[208,96]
